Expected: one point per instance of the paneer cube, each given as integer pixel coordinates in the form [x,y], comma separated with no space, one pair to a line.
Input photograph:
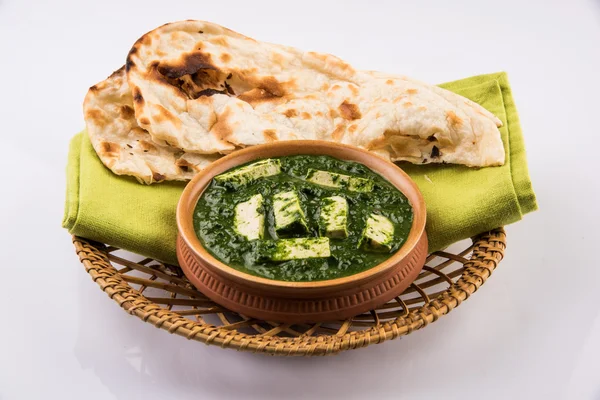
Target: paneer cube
[378,234]
[294,249]
[335,180]
[250,173]
[289,216]
[333,217]
[249,220]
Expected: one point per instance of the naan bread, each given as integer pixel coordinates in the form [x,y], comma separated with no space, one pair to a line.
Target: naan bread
[126,148]
[206,89]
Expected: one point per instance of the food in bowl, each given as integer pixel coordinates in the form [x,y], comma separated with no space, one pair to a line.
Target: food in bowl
[302,218]
[300,301]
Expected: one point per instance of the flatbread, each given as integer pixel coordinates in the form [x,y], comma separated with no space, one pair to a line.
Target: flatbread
[126,148]
[206,89]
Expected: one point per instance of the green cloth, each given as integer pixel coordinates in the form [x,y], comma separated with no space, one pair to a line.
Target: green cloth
[461,201]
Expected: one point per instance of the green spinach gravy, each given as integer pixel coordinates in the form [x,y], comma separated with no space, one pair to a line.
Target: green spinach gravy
[302,218]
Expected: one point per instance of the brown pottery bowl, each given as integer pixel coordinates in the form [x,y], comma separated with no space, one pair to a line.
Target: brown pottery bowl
[296,302]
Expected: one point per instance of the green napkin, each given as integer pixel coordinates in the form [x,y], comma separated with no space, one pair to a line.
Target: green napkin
[461,201]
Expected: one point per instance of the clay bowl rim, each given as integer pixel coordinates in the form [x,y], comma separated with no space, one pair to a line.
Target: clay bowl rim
[201,180]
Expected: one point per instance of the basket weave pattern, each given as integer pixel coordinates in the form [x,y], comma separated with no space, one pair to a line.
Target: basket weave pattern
[173,304]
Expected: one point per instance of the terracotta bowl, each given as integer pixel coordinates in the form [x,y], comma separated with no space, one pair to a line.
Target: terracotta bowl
[296,302]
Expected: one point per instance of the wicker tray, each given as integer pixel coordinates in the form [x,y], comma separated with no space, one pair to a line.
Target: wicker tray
[161,295]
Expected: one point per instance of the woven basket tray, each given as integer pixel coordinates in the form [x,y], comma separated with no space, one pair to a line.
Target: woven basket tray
[161,295]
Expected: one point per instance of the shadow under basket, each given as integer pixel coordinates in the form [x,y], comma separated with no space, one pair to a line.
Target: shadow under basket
[160,294]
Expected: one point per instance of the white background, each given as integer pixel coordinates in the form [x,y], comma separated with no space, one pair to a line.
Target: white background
[531,332]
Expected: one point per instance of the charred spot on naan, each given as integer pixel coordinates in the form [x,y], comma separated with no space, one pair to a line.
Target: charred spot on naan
[221,129]
[110,148]
[354,89]
[191,79]
[291,113]
[137,96]
[270,135]
[225,57]
[271,85]
[454,120]
[349,111]
[97,116]
[146,40]
[338,132]
[184,165]
[157,177]
[257,96]
[266,83]
[229,88]
[109,153]
[187,64]
[210,92]
[129,63]
[126,112]
[206,83]
[289,86]
[187,166]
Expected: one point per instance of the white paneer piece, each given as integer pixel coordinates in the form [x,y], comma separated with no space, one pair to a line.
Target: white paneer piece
[295,249]
[333,217]
[249,220]
[335,180]
[378,234]
[251,172]
[289,216]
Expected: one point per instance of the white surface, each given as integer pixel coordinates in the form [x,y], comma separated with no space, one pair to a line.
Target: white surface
[532,331]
